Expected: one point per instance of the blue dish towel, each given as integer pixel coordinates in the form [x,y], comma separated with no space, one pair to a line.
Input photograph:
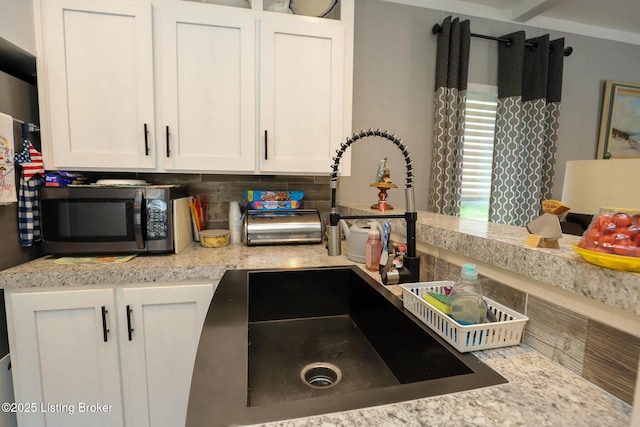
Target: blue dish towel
[29,192]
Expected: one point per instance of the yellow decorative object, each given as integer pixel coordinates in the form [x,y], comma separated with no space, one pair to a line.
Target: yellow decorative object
[616,262]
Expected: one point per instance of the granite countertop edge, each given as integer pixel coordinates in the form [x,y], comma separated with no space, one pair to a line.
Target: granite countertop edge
[503,246]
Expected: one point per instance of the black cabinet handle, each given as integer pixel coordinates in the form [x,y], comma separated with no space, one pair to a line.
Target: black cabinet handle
[129,328]
[105,331]
[167,138]
[266,146]
[137,219]
[146,140]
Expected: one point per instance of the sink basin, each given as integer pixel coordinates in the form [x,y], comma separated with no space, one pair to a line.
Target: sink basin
[281,344]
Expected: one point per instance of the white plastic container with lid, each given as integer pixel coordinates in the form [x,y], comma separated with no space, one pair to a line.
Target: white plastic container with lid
[466,299]
[373,249]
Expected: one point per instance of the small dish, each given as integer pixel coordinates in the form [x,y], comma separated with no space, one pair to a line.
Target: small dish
[317,8]
[214,238]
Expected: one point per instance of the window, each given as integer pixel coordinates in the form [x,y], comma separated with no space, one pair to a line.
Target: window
[480,121]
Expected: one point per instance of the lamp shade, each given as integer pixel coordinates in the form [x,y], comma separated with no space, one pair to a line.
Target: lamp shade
[593,184]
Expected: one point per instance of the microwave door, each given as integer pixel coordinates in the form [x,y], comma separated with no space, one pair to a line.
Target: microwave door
[91,220]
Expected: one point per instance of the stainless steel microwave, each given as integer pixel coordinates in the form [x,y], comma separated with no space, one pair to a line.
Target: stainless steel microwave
[96,219]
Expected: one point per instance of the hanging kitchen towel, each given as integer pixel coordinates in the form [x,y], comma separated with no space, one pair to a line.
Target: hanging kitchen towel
[31,180]
[29,210]
[7,165]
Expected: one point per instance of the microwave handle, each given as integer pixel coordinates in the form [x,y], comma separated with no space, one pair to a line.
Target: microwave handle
[137,219]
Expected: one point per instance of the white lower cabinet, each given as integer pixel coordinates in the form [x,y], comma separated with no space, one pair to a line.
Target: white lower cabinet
[105,356]
[159,347]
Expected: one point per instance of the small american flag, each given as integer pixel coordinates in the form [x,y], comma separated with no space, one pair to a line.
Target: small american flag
[30,159]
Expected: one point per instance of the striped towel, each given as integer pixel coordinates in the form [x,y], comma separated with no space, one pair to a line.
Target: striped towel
[28,196]
[29,210]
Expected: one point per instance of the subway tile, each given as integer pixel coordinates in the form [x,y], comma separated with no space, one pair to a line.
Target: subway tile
[427,267]
[285,178]
[228,178]
[312,191]
[504,294]
[611,360]
[322,179]
[445,270]
[218,211]
[211,225]
[557,333]
[170,178]
[209,186]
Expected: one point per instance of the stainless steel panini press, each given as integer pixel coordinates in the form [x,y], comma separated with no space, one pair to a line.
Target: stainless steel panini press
[282,226]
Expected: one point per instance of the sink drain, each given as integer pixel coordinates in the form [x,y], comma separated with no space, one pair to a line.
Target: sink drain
[320,375]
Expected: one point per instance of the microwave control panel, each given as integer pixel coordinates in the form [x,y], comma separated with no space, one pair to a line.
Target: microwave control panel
[157,220]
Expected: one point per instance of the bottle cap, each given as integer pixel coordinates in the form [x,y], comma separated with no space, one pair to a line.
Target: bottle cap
[469,271]
[373,231]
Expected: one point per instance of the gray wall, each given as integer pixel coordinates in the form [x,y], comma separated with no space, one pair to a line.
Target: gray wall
[18,99]
[394,54]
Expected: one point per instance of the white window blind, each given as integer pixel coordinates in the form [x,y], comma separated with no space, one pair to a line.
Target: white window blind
[480,121]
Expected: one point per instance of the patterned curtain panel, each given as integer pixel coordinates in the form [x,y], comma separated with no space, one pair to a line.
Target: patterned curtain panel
[452,66]
[526,134]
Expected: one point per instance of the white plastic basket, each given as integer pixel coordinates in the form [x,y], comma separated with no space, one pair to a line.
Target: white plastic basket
[507,331]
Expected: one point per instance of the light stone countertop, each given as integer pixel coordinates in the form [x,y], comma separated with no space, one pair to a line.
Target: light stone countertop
[539,392]
[193,263]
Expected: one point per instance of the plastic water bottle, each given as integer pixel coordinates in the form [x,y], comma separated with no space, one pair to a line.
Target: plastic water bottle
[466,299]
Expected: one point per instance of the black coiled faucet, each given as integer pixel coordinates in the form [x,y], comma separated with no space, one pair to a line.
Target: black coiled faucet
[410,271]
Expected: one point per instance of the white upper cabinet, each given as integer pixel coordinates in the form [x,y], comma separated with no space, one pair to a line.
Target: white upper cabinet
[207,87]
[98,84]
[301,93]
[183,86]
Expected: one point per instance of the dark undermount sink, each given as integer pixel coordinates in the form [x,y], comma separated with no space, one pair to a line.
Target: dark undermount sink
[357,346]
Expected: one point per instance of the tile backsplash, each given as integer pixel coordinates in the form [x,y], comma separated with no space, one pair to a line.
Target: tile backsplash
[222,189]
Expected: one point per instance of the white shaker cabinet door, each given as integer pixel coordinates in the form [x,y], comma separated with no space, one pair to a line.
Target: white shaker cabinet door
[207,87]
[65,358]
[98,76]
[159,338]
[301,93]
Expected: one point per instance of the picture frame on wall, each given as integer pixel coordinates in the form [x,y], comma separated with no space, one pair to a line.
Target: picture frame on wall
[620,122]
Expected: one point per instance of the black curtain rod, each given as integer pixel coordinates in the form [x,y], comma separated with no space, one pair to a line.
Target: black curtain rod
[437,29]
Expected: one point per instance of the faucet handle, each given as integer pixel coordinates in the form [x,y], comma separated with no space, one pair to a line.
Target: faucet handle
[389,274]
[334,244]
